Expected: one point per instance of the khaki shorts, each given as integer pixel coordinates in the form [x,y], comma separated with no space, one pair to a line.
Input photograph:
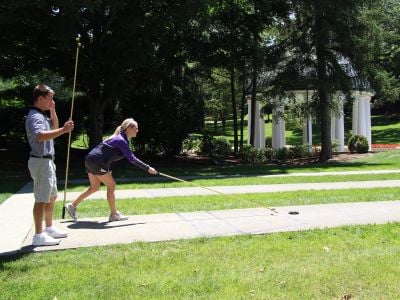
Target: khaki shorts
[43,173]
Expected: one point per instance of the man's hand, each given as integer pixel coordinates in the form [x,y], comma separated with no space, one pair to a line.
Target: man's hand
[68,126]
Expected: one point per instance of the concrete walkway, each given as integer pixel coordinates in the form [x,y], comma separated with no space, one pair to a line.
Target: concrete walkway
[16,216]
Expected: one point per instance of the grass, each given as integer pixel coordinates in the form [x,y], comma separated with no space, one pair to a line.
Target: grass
[359,262]
[243,181]
[98,208]
[245,174]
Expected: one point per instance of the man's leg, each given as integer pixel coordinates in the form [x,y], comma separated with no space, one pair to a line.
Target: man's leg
[48,211]
[38,214]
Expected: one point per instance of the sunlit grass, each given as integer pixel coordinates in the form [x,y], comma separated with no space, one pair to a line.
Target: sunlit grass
[137,206]
[359,262]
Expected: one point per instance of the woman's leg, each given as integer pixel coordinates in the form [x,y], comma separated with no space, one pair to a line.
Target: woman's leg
[94,187]
[109,182]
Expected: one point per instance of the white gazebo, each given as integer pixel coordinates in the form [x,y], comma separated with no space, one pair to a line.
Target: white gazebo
[361,120]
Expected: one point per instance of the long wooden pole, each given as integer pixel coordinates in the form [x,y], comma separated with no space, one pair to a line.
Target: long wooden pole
[78,44]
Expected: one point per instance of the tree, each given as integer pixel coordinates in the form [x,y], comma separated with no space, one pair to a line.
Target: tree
[383,20]
[322,44]
[126,46]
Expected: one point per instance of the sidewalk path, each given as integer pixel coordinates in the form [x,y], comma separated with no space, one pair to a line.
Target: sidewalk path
[173,226]
[16,216]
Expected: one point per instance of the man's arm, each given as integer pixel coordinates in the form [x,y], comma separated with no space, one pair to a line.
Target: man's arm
[52,134]
[56,131]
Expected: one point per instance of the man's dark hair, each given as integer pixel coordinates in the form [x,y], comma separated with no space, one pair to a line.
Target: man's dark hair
[40,90]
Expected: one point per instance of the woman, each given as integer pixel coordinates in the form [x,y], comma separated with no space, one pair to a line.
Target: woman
[98,166]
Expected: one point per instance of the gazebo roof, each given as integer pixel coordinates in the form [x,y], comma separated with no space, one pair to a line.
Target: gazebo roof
[305,79]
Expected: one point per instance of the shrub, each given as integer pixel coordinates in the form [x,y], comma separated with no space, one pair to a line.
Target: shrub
[335,145]
[191,144]
[358,143]
[222,147]
[270,154]
[298,151]
[282,154]
[215,147]
[252,155]
[268,142]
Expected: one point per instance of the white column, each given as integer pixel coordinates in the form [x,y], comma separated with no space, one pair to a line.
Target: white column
[259,133]
[337,124]
[278,127]
[307,132]
[362,115]
[307,124]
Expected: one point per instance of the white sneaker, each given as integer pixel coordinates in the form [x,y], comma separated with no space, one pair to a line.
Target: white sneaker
[43,239]
[56,233]
[117,217]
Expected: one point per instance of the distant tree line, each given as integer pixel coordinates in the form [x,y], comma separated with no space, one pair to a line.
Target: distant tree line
[169,63]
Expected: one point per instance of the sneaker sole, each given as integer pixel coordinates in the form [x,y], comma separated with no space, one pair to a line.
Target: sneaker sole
[46,244]
[122,219]
[58,236]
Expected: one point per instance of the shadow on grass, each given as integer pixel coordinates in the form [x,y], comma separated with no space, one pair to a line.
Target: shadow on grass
[386,136]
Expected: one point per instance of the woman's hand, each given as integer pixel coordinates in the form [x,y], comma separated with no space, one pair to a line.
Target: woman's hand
[152,171]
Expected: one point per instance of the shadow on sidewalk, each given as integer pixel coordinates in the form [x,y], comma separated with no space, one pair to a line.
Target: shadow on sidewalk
[96,225]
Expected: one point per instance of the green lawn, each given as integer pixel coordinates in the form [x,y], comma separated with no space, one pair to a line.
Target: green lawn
[357,262]
[245,174]
[136,206]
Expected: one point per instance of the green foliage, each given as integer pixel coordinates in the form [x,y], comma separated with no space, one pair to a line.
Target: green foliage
[216,147]
[282,154]
[383,20]
[268,142]
[192,144]
[298,151]
[335,145]
[358,143]
[252,155]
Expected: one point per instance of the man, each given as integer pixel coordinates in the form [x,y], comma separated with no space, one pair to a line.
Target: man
[41,131]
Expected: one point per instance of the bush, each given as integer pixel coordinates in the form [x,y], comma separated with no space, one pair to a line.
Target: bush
[252,155]
[191,144]
[268,142]
[282,154]
[298,151]
[222,147]
[335,145]
[358,143]
[270,154]
[215,147]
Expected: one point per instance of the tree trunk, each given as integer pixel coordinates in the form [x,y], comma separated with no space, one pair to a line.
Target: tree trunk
[96,121]
[234,111]
[96,114]
[253,106]
[323,91]
[242,113]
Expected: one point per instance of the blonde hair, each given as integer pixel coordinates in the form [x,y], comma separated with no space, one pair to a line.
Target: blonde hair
[124,125]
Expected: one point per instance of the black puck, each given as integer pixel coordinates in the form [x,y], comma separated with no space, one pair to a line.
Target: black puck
[293,212]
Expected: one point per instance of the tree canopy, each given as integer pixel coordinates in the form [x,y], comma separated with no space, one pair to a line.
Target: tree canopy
[155,60]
